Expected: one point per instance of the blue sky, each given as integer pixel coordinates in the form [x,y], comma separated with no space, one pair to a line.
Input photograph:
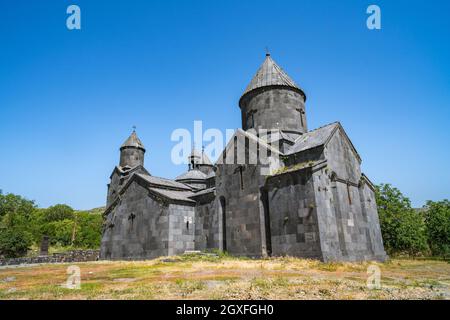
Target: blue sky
[68,99]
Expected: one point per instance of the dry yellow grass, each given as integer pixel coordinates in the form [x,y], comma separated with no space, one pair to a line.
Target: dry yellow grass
[207,277]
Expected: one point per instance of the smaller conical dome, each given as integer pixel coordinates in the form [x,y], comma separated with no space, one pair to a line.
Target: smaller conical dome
[199,157]
[133,142]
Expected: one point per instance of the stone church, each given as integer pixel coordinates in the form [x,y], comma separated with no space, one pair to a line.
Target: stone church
[312,201]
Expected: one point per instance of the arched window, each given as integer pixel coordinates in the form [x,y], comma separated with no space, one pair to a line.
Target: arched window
[241,178]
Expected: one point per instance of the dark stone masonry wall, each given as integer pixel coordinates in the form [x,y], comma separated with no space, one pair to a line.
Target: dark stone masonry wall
[262,110]
[207,226]
[240,203]
[293,215]
[143,235]
[69,256]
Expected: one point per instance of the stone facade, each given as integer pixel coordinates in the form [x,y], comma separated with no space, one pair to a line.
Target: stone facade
[298,193]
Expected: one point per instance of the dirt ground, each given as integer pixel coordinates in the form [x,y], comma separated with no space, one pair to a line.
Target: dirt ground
[212,277]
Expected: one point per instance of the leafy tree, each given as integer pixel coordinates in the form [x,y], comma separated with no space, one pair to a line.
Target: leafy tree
[59,212]
[90,230]
[402,228]
[15,209]
[15,216]
[437,220]
[67,227]
[22,224]
[14,242]
[59,232]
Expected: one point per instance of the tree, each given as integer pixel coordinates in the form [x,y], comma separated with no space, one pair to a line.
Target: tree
[59,212]
[57,222]
[14,242]
[22,224]
[59,232]
[402,228]
[437,220]
[15,216]
[90,230]
[14,209]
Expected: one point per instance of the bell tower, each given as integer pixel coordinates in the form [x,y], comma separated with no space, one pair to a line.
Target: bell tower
[132,152]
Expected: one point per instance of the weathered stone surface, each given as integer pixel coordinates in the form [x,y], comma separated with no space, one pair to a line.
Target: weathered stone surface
[311,201]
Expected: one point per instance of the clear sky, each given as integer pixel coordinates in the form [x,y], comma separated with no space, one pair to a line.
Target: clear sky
[68,99]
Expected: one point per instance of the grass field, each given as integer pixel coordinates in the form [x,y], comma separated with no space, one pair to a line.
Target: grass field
[211,277]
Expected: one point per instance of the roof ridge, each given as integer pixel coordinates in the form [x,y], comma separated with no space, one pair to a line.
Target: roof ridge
[325,125]
[318,128]
[189,175]
[144,176]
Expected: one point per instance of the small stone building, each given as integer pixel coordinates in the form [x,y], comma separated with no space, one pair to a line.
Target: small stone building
[298,193]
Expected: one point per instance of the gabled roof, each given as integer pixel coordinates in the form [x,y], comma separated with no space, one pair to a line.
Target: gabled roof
[250,136]
[270,74]
[124,170]
[319,137]
[133,142]
[191,175]
[276,135]
[162,182]
[313,138]
[164,187]
[174,195]
[203,192]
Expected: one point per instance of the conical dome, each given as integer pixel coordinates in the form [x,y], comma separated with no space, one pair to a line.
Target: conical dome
[132,152]
[270,74]
[199,157]
[133,142]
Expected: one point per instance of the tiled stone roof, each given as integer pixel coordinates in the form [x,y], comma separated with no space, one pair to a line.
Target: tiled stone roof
[174,194]
[270,74]
[313,138]
[156,181]
[133,141]
[192,175]
[203,192]
[318,137]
